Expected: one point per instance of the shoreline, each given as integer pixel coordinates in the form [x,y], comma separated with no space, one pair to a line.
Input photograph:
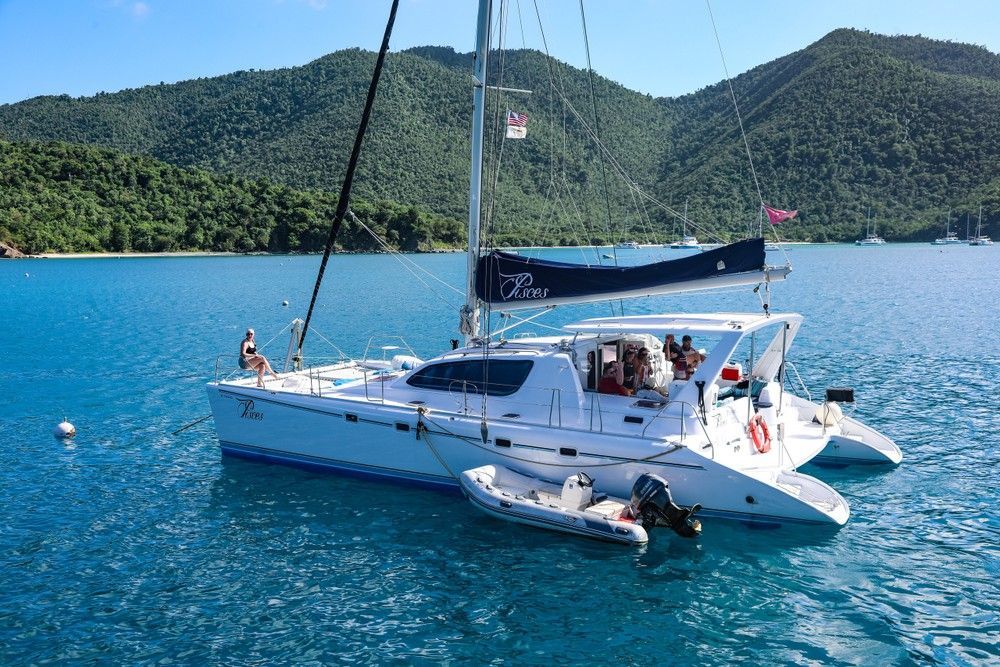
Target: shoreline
[210,253]
[129,255]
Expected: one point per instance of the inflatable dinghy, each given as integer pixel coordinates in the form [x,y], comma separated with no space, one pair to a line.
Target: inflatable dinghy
[576,508]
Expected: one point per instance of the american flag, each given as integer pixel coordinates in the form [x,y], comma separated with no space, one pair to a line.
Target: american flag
[515,119]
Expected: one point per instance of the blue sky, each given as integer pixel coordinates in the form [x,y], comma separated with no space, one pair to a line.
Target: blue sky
[80,47]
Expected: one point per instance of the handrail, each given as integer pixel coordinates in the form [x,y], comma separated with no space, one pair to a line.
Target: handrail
[799,378]
[784,448]
[553,402]
[224,372]
[684,405]
[382,338]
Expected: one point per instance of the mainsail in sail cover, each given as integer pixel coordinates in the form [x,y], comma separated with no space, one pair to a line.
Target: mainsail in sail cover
[515,281]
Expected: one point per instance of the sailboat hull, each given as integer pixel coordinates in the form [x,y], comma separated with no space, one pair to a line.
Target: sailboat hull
[396,444]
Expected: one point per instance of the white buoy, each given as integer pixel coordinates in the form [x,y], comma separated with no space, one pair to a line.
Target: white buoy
[64,430]
[284,303]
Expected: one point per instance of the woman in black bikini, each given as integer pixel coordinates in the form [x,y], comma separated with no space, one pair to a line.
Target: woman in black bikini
[250,360]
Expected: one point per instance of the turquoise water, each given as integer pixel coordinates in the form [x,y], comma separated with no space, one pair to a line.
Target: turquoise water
[132,545]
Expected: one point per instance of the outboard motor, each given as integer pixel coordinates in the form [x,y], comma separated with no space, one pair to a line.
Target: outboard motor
[655,507]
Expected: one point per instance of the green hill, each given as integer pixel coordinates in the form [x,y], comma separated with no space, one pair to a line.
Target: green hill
[60,197]
[907,125]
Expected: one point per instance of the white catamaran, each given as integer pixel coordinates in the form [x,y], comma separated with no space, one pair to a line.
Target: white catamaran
[950,237]
[871,233]
[728,437]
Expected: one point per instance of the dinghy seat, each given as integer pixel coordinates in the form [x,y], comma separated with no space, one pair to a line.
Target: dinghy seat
[578,491]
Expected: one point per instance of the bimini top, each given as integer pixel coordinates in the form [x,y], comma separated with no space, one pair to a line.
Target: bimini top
[515,281]
[658,325]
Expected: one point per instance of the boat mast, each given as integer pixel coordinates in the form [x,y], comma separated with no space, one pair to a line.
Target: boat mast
[469,325]
[684,221]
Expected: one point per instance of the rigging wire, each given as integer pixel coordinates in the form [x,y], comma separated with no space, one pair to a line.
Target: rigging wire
[345,191]
[604,169]
[593,102]
[630,182]
[407,263]
[736,106]
[739,119]
[555,84]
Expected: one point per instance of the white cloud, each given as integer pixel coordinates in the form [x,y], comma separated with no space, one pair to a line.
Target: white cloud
[140,9]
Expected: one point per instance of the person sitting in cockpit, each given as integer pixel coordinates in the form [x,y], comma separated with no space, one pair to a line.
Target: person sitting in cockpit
[693,356]
[675,357]
[645,377]
[629,369]
[611,381]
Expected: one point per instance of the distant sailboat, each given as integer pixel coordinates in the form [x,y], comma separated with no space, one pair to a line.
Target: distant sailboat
[979,239]
[950,237]
[686,242]
[871,237]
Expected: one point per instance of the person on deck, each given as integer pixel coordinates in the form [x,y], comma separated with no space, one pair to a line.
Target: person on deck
[629,369]
[675,357]
[693,356]
[645,380]
[611,381]
[251,361]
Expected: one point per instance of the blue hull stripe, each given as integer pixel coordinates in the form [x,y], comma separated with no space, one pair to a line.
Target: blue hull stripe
[848,460]
[359,471]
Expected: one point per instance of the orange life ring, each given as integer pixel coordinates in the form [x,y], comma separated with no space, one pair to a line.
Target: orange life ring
[759,433]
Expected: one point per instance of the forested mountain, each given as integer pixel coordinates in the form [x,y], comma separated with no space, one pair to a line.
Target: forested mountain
[906,125]
[61,197]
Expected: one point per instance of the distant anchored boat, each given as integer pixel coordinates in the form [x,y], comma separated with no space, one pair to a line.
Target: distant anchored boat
[950,237]
[871,237]
[686,243]
[979,238]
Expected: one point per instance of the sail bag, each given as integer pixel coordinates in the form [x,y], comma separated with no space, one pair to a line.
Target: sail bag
[513,281]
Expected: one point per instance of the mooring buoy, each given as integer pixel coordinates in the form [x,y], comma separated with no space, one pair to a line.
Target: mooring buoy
[64,430]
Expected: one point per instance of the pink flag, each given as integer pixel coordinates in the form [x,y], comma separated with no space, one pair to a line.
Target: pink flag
[776,215]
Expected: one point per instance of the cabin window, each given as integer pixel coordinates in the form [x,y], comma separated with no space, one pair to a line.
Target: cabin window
[499,377]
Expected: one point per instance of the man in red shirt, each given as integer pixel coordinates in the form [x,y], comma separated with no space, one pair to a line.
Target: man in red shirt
[611,381]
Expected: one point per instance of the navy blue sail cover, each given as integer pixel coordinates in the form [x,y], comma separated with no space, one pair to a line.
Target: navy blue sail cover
[508,279]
